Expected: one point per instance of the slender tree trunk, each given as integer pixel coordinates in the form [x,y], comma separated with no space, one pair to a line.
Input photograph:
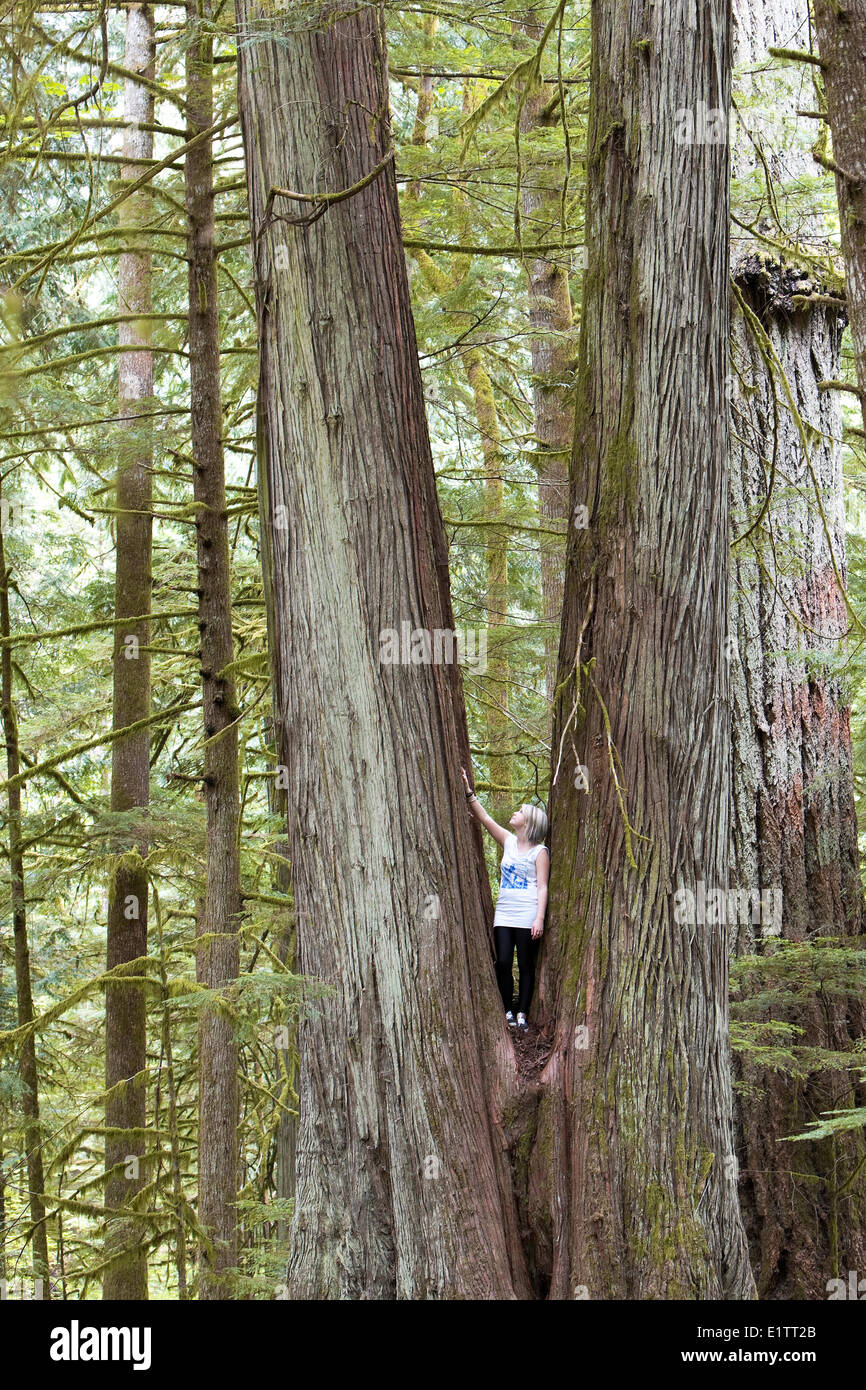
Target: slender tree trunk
[841,31]
[634,1144]
[794,826]
[429,25]
[173,1128]
[125,1016]
[495,680]
[405,1069]
[27,1065]
[174,1140]
[553,351]
[218,956]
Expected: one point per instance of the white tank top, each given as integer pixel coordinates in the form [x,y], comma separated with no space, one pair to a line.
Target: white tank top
[517,903]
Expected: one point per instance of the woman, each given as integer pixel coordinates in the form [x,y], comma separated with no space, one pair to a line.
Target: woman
[520,907]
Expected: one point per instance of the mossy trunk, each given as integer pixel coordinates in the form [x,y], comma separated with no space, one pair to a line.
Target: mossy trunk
[390,890]
[125,1013]
[217,959]
[794,826]
[794,829]
[633,1152]
[27,1062]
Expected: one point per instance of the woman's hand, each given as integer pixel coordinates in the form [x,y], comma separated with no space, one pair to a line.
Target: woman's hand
[537,930]
[477,812]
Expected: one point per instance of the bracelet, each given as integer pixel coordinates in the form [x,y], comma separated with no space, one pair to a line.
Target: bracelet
[470,796]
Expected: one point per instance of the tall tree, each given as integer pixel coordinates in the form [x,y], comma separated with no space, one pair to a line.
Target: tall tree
[794,826]
[125,1014]
[389,885]
[218,955]
[428,25]
[552,344]
[27,1063]
[635,1140]
[495,681]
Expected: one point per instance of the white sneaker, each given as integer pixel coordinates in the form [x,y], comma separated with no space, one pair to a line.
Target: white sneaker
[510,1019]
[521,1023]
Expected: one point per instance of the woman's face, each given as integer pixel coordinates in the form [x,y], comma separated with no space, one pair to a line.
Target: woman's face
[518,821]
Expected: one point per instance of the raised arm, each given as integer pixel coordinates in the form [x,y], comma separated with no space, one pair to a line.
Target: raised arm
[497,831]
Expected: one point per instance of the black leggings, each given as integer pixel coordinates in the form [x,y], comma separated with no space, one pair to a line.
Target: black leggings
[506,939]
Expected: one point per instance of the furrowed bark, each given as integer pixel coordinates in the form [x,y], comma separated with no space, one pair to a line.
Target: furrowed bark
[125,1017]
[634,1148]
[281,870]
[794,826]
[794,830]
[27,1063]
[404,1070]
[287,1125]
[217,959]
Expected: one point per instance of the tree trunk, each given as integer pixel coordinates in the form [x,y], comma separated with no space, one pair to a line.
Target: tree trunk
[495,680]
[841,31]
[405,1069]
[494,683]
[27,1066]
[553,351]
[125,1017]
[794,827]
[173,1130]
[429,25]
[634,1147]
[217,960]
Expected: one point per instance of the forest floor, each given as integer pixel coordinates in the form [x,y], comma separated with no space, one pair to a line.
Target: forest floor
[532,1050]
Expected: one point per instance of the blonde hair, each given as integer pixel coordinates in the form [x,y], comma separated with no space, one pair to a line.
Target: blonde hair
[536,823]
